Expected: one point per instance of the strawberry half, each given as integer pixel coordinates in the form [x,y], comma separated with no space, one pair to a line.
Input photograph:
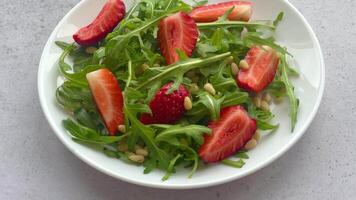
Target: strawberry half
[166,108]
[234,129]
[263,63]
[209,13]
[110,15]
[177,31]
[108,98]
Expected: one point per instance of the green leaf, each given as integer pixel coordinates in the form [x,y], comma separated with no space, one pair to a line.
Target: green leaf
[242,154]
[84,134]
[237,164]
[278,19]
[196,132]
[181,68]
[171,167]
[239,24]
[293,100]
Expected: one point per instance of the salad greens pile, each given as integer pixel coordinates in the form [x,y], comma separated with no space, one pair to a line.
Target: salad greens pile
[131,52]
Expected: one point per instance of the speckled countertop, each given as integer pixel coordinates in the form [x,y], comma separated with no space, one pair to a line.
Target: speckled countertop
[34,164]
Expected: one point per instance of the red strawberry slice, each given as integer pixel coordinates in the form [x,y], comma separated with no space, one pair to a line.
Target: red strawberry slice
[110,15]
[242,11]
[166,108]
[234,129]
[263,63]
[108,98]
[177,31]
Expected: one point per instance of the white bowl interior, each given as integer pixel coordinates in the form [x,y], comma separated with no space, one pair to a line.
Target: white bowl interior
[293,32]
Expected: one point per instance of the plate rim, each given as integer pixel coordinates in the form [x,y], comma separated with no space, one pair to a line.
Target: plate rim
[166,185]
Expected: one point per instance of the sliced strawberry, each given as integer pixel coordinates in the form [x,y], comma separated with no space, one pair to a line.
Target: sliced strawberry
[177,31]
[166,108]
[234,129]
[108,98]
[110,15]
[263,63]
[242,11]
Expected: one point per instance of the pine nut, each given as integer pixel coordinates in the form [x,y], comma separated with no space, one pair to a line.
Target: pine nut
[265,106]
[267,97]
[142,152]
[257,101]
[209,88]
[194,88]
[137,158]
[144,66]
[266,48]
[250,144]
[90,50]
[257,136]
[122,147]
[122,128]
[244,65]
[234,69]
[156,65]
[129,153]
[188,103]
[229,60]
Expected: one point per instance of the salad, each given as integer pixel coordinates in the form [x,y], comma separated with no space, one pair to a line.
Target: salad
[167,84]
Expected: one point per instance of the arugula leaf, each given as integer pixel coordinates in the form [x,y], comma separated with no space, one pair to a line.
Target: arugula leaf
[237,164]
[84,134]
[171,167]
[180,68]
[294,101]
[278,19]
[242,154]
[195,132]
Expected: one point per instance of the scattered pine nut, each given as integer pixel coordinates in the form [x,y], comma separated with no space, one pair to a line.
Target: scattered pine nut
[144,66]
[209,88]
[137,158]
[267,97]
[264,106]
[122,128]
[257,136]
[194,88]
[229,60]
[234,69]
[188,103]
[122,147]
[244,65]
[90,50]
[250,144]
[257,101]
[129,153]
[142,152]
[156,65]
[266,48]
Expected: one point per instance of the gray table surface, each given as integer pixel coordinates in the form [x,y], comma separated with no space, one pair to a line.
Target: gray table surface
[34,164]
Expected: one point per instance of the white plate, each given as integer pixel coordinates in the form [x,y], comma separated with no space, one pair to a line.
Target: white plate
[294,32]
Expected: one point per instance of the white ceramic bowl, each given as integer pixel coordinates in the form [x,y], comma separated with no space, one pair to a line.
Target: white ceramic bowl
[294,32]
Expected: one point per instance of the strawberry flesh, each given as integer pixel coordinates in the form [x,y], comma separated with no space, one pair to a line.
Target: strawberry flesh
[166,108]
[108,98]
[177,31]
[242,11]
[229,134]
[110,15]
[263,63]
